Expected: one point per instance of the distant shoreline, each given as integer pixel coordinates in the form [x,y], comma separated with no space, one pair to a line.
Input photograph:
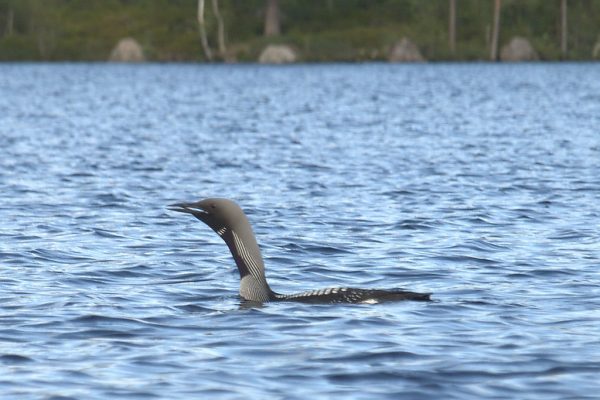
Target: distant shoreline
[204,63]
[278,31]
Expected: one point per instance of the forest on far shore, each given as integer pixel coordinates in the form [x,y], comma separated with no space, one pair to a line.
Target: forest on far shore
[320,30]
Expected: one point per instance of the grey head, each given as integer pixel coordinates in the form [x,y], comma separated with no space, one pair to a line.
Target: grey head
[228,220]
[217,213]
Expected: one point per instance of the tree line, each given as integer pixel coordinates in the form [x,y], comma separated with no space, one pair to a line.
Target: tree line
[320,30]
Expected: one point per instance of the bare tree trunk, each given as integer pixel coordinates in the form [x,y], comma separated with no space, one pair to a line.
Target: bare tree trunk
[563,28]
[201,25]
[46,42]
[495,30]
[9,23]
[272,25]
[452,26]
[221,29]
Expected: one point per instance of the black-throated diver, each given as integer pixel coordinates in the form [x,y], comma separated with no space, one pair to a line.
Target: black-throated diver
[229,221]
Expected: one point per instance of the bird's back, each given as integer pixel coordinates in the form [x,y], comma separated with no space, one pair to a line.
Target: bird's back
[352,295]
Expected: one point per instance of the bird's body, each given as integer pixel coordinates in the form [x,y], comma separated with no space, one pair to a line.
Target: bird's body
[228,220]
[352,295]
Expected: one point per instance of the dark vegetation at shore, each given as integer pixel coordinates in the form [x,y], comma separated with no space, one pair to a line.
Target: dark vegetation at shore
[320,30]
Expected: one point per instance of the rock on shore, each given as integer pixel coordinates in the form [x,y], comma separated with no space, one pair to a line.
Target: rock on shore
[405,51]
[518,49]
[127,50]
[277,54]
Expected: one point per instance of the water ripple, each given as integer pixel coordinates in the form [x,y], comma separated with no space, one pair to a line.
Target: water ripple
[478,183]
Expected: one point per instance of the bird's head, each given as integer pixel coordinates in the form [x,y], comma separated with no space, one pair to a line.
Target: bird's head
[219,214]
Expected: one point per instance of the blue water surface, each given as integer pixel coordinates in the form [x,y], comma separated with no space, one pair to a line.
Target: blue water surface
[479,183]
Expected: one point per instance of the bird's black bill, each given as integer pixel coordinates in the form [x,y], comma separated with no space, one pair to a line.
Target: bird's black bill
[189,208]
[197,210]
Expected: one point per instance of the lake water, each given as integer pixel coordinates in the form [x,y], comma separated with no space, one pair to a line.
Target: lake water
[479,183]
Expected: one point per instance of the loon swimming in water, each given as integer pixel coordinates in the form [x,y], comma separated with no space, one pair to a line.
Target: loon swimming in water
[228,220]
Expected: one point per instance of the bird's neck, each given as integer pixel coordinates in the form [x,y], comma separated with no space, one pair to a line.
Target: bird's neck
[247,256]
